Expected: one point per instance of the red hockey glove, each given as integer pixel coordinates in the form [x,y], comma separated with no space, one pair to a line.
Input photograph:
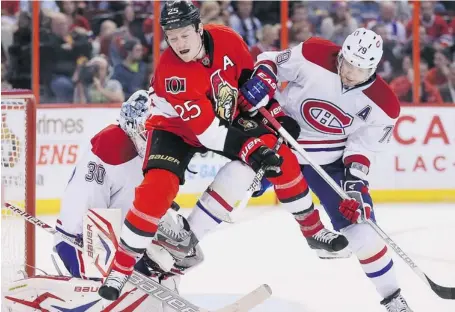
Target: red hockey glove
[255,153]
[355,211]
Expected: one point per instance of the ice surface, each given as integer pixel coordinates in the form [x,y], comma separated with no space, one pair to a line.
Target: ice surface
[265,246]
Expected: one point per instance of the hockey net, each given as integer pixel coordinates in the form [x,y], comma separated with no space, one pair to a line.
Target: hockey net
[18,126]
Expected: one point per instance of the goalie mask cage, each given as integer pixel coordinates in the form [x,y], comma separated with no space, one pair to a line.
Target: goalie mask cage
[18,109]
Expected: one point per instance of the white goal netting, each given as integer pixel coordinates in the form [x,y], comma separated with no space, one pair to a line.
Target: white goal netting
[16,143]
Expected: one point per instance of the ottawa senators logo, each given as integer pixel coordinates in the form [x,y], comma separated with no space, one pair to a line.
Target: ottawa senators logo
[247,124]
[224,95]
[175,85]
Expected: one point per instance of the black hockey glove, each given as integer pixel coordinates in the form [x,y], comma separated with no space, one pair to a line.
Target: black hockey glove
[255,153]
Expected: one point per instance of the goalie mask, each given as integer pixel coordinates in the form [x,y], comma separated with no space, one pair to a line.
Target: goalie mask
[133,115]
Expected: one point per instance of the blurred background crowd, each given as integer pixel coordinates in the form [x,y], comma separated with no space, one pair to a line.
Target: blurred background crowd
[102,51]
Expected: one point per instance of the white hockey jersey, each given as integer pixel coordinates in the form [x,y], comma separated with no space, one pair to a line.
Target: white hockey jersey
[105,177]
[353,124]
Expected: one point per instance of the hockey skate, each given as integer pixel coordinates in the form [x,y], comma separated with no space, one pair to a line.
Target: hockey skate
[396,303]
[329,245]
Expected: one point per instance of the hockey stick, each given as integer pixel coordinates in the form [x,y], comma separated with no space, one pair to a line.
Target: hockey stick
[257,180]
[154,289]
[441,291]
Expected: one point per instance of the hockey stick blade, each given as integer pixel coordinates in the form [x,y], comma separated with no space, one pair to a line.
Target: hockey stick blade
[151,287]
[443,292]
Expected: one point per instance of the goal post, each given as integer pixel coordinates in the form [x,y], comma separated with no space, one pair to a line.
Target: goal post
[18,167]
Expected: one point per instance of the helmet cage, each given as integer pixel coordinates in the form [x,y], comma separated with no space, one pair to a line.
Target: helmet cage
[133,115]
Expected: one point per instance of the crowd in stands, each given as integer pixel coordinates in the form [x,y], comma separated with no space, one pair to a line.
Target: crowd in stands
[102,51]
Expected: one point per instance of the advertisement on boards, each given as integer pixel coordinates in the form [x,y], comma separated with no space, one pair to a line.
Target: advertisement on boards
[62,135]
[421,153]
[420,157]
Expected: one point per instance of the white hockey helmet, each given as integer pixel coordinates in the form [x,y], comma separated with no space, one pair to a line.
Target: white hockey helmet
[363,49]
[133,115]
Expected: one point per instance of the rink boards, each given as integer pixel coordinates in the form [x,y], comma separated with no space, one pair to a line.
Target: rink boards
[419,165]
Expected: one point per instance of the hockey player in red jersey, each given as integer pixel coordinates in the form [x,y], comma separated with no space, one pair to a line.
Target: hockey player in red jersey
[194,106]
[346,114]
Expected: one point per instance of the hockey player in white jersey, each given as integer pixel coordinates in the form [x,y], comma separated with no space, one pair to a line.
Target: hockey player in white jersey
[346,113]
[106,177]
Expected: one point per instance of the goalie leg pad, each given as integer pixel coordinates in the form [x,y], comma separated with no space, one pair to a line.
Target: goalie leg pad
[229,186]
[373,256]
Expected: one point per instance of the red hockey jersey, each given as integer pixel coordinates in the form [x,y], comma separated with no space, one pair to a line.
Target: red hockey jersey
[192,99]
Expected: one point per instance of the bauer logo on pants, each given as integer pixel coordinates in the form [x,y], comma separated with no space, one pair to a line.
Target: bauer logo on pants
[175,85]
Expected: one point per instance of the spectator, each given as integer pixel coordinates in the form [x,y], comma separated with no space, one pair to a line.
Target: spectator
[395,30]
[226,10]
[210,10]
[300,15]
[435,26]
[244,23]
[299,32]
[339,24]
[77,22]
[147,39]
[20,53]
[130,29]
[132,72]
[452,27]
[62,49]
[101,43]
[268,37]
[403,85]
[93,84]
[5,84]
[437,76]
[448,91]
[385,67]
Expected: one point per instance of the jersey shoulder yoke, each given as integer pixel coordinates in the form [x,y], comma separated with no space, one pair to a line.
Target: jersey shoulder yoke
[113,146]
[382,95]
[321,52]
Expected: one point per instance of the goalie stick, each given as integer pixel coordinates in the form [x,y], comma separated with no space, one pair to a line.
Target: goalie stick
[154,289]
[441,291]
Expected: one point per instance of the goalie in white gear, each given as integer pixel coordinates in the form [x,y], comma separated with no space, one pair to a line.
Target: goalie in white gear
[343,128]
[105,178]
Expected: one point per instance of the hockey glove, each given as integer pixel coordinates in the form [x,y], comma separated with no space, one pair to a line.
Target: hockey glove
[260,86]
[287,122]
[255,153]
[360,205]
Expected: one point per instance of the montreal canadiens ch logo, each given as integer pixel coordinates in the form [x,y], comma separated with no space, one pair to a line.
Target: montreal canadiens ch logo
[325,117]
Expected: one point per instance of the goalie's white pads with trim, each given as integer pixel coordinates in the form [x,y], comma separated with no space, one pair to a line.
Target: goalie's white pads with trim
[101,229]
[58,293]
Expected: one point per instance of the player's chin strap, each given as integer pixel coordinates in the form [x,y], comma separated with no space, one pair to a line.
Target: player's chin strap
[441,291]
[153,288]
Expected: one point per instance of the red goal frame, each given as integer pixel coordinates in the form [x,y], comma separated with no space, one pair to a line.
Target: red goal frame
[30,172]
